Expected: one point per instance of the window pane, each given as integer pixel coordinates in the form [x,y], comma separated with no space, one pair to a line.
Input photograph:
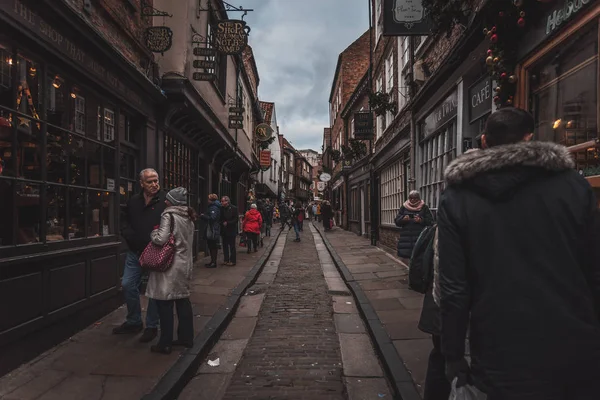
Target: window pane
[6,98]
[76,213]
[76,151]
[28,210]
[94,151]
[57,145]
[109,168]
[6,212]
[56,213]
[100,213]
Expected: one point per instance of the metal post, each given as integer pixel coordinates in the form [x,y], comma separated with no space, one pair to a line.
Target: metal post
[374,201]
[413,125]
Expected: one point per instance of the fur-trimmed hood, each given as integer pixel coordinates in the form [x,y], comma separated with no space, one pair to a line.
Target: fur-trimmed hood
[502,168]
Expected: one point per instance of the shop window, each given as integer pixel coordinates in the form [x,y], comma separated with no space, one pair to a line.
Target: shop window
[393,191]
[109,125]
[563,95]
[437,151]
[80,115]
[180,167]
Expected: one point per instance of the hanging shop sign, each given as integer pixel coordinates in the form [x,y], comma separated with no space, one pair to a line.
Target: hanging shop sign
[405,18]
[236,123]
[158,39]
[441,115]
[320,186]
[206,64]
[231,36]
[363,125]
[480,99]
[265,158]
[325,177]
[204,52]
[201,76]
[236,110]
[263,132]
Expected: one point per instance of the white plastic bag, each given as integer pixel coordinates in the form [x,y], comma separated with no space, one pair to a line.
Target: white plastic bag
[466,392]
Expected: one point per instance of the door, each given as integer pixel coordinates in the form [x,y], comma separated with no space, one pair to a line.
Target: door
[363,227]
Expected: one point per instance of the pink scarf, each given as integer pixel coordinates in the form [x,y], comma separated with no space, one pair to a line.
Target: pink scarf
[414,207]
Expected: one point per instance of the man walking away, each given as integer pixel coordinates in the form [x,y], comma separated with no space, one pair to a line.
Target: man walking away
[284,212]
[229,231]
[140,216]
[268,217]
[519,264]
[297,220]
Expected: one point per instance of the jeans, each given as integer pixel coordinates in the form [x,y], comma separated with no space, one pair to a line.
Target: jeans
[185,316]
[297,230]
[132,278]
[229,249]
[437,386]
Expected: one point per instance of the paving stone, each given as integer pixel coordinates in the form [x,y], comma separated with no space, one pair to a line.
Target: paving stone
[367,388]
[229,353]
[33,386]
[349,323]
[390,294]
[358,358]
[250,305]
[213,290]
[206,387]
[387,304]
[405,330]
[412,303]
[392,316]
[336,284]
[395,272]
[240,328]
[75,387]
[122,387]
[341,306]
[266,278]
[415,354]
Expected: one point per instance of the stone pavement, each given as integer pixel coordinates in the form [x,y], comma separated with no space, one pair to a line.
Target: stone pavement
[296,335]
[96,364]
[384,279]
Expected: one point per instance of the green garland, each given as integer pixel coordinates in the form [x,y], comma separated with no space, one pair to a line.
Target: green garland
[445,14]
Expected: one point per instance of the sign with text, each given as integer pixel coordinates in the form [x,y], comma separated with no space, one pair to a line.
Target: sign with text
[441,114]
[159,39]
[204,51]
[235,124]
[199,76]
[206,64]
[480,98]
[236,110]
[263,132]
[405,18]
[363,125]
[231,36]
[265,158]
[320,186]
[27,17]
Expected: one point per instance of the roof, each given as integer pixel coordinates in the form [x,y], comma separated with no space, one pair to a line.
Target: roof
[267,107]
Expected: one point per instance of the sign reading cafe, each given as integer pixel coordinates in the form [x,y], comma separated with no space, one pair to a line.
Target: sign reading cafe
[231,36]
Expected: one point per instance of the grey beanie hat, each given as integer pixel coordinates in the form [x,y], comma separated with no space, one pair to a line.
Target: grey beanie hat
[253,206]
[178,196]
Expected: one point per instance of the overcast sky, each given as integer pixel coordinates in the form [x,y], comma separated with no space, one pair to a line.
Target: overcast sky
[296,44]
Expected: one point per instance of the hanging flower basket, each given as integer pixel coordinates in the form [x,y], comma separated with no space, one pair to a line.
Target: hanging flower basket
[381,103]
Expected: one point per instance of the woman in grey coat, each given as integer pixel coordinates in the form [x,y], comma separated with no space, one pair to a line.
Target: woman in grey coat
[172,287]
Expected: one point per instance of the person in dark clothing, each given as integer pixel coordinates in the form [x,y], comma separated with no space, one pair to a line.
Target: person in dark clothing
[285,215]
[326,215]
[141,214]
[297,219]
[229,230]
[213,228]
[413,217]
[268,217]
[518,266]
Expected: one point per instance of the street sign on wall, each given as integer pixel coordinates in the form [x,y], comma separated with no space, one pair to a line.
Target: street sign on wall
[405,18]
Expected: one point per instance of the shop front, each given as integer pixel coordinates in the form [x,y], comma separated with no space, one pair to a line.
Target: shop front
[558,80]
[76,126]
[358,198]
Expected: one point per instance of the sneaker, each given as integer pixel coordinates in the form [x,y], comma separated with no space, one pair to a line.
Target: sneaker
[149,335]
[126,328]
[179,343]
[161,350]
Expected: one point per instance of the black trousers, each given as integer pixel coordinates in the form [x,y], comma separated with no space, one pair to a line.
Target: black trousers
[185,315]
[251,240]
[229,249]
[437,386]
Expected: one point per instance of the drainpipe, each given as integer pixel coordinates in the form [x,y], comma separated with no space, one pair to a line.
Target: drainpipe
[413,125]
[374,201]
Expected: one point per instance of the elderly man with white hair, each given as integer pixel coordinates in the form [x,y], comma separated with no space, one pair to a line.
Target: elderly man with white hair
[141,215]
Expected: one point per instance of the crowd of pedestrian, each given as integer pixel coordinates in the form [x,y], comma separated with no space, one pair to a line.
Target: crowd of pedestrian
[513,298]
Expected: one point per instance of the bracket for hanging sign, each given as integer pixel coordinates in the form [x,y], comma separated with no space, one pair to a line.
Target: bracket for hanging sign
[226,7]
[200,76]
[236,110]
[149,11]
[206,64]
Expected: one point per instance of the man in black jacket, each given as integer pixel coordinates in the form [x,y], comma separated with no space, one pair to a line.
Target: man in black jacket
[229,220]
[141,215]
[519,266]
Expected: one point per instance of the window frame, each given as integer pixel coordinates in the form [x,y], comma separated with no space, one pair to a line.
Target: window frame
[393,190]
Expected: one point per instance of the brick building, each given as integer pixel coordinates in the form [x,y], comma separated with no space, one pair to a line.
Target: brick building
[352,64]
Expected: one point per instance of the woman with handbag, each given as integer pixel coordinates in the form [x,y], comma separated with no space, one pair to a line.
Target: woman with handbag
[213,228]
[172,286]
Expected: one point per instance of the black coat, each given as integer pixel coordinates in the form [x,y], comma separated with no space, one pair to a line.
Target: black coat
[519,258]
[230,215]
[410,230]
[139,219]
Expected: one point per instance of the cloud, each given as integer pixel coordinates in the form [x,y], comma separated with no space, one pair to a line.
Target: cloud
[296,44]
